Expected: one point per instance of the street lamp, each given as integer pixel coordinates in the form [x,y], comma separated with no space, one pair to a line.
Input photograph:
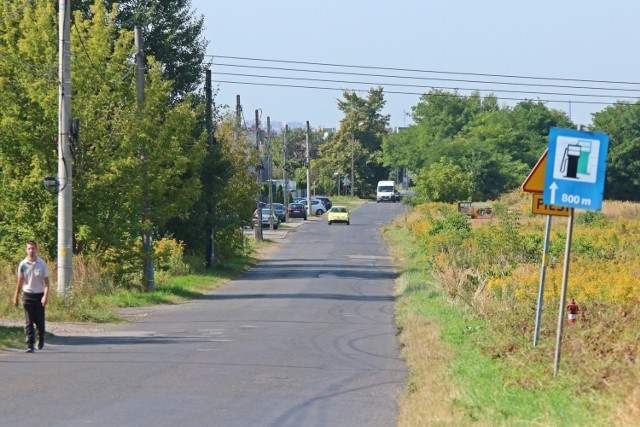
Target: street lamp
[353,139]
[337,174]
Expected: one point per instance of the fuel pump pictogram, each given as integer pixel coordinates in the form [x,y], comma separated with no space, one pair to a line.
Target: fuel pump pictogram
[575,159]
[570,161]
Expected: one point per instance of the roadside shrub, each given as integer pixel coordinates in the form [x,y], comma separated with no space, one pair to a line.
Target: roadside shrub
[592,218]
[169,256]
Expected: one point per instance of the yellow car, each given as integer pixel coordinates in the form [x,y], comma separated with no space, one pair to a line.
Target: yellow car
[338,214]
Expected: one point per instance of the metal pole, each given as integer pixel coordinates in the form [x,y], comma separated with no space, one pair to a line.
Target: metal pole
[258,230]
[285,196]
[352,153]
[65,223]
[563,296]
[270,172]
[236,129]
[543,271]
[308,157]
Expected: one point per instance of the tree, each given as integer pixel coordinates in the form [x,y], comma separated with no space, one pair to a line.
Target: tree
[128,162]
[622,122]
[443,181]
[228,197]
[172,35]
[28,114]
[124,161]
[363,128]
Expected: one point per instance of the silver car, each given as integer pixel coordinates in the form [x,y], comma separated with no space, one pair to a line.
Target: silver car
[266,215]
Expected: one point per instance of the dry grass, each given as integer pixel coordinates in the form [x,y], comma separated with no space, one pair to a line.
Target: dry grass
[615,210]
[629,414]
[604,365]
[429,397]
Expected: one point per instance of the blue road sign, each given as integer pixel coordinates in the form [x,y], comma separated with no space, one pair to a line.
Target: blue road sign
[576,169]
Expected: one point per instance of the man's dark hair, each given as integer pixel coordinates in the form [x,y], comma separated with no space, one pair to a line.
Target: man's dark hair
[32,242]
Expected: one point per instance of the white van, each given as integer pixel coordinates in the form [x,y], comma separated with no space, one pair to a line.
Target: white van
[386,191]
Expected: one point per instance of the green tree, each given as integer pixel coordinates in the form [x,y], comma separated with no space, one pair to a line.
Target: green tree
[443,181]
[622,122]
[363,128]
[125,162]
[172,35]
[128,162]
[28,117]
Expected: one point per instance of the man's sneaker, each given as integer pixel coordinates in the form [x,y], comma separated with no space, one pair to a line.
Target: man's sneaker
[40,344]
[29,349]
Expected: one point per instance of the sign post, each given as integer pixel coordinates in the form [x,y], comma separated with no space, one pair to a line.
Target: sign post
[574,178]
[535,184]
[576,169]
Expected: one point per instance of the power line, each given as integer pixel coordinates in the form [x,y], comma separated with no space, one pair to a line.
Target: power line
[17,12]
[425,86]
[84,48]
[423,71]
[412,93]
[425,78]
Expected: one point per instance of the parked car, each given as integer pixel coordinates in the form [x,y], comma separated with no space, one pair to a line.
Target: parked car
[317,206]
[279,210]
[338,213]
[327,202]
[297,210]
[266,214]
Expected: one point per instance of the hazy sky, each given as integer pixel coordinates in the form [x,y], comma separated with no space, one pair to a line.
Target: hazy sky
[580,39]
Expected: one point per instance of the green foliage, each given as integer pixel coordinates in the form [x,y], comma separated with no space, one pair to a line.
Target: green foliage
[496,147]
[592,218]
[280,194]
[443,181]
[622,122]
[128,163]
[362,129]
[172,35]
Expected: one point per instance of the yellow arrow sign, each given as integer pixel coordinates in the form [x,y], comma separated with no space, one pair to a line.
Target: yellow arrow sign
[535,181]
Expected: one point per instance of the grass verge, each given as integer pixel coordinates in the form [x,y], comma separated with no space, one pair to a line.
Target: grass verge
[452,381]
[99,307]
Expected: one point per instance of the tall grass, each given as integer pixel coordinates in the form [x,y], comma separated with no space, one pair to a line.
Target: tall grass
[95,291]
[489,272]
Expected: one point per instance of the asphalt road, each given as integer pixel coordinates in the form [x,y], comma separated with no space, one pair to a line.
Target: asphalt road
[306,338]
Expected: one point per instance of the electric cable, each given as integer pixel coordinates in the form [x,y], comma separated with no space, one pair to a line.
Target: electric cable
[423,71]
[412,93]
[427,86]
[424,78]
[17,12]
[84,48]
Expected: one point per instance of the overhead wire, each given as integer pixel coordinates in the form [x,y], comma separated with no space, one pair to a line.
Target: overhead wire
[614,93]
[408,93]
[84,48]
[422,78]
[17,12]
[423,86]
[420,70]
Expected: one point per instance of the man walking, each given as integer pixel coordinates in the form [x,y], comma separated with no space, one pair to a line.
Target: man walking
[33,279]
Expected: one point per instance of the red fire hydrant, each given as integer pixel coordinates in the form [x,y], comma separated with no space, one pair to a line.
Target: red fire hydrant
[572,311]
